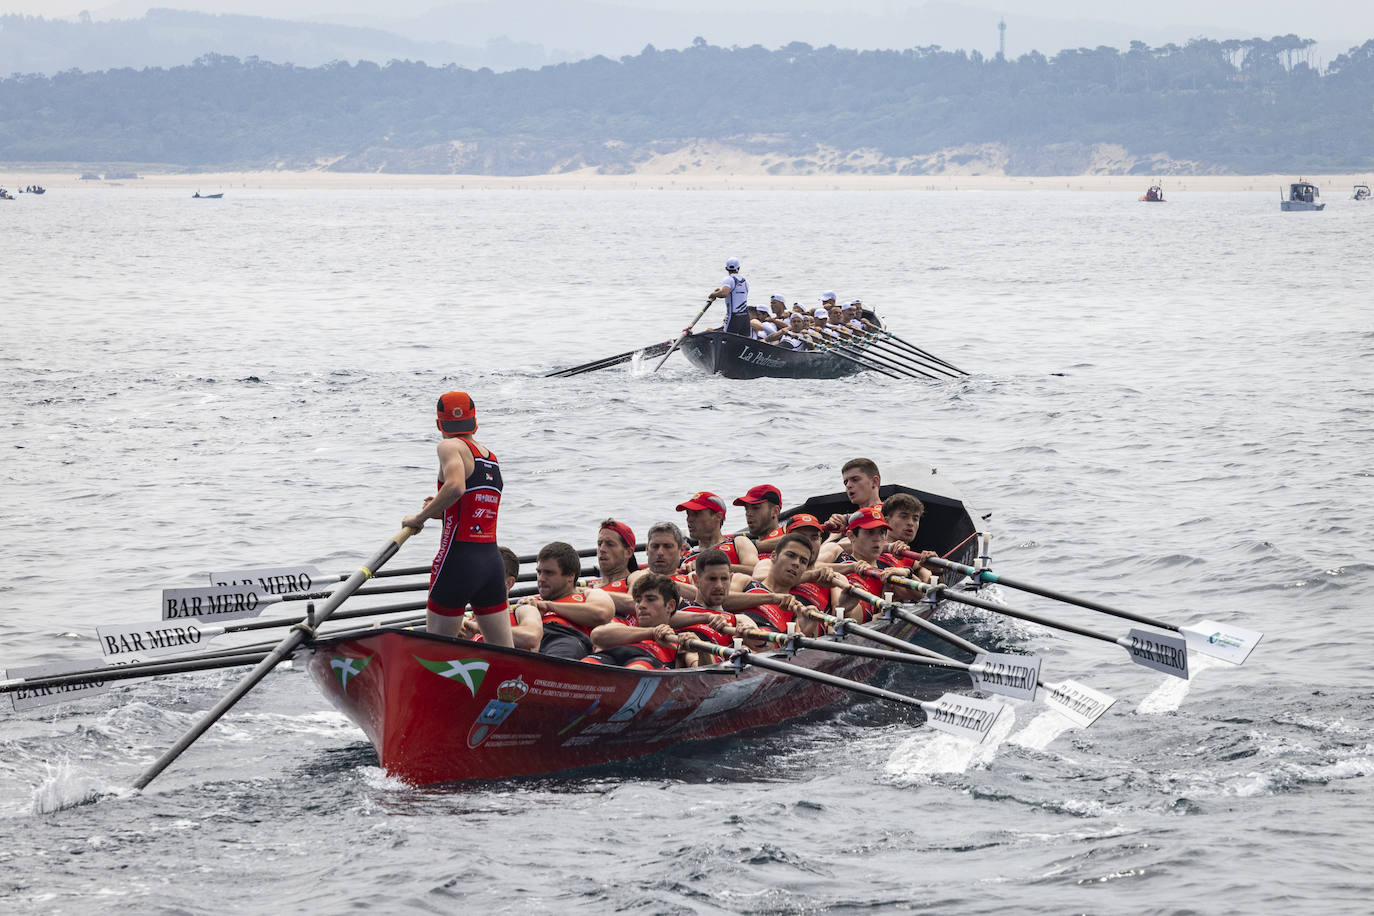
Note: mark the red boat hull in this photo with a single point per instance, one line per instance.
(442, 710)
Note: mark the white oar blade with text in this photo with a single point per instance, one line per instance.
(1159, 651)
(1006, 675)
(31, 697)
(1080, 703)
(1225, 641)
(273, 580)
(124, 641)
(967, 717)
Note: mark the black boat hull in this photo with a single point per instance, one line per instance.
(734, 356)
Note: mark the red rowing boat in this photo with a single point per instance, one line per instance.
(439, 709)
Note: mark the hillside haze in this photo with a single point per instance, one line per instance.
(1206, 107)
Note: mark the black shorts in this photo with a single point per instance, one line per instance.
(468, 573)
(624, 656)
(565, 642)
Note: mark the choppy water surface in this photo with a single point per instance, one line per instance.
(1170, 410)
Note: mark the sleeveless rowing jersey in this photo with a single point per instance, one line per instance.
(738, 301)
(557, 618)
(620, 586)
(727, 547)
(473, 517)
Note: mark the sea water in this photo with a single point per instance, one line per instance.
(1169, 410)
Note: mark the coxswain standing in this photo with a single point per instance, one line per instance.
(734, 289)
(468, 567)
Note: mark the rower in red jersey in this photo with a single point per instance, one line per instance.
(868, 532)
(569, 616)
(467, 568)
(705, 516)
(526, 627)
(903, 513)
(785, 577)
(861, 484)
(802, 523)
(615, 560)
(651, 643)
(761, 507)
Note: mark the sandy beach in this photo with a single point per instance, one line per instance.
(16, 177)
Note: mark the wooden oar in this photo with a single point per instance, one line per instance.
(1219, 640)
(607, 362)
(1168, 654)
(966, 717)
(686, 331)
(288, 645)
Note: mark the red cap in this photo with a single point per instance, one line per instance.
(456, 413)
(703, 500)
(764, 492)
(868, 517)
(626, 535)
(803, 521)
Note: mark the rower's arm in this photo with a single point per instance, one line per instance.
(619, 634)
(528, 631)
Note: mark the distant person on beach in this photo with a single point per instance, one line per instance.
(734, 289)
(468, 567)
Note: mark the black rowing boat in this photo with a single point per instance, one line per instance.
(734, 356)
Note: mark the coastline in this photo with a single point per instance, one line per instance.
(14, 178)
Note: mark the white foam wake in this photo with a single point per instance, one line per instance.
(1170, 695)
(1041, 730)
(929, 752)
(67, 786)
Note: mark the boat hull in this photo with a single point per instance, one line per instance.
(1291, 205)
(439, 709)
(735, 356)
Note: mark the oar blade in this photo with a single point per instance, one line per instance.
(1225, 641)
(1006, 675)
(1158, 651)
(1081, 704)
(31, 697)
(967, 717)
(141, 640)
(227, 602)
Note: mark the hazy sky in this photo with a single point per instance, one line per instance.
(1349, 21)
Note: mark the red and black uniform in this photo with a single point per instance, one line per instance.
(705, 630)
(774, 618)
(727, 546)
(468, 568)
(562, 637)
(646, 653)
(775, 533)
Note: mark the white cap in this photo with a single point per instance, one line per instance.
(776, 297)
(856, 302)
(732, 264)
(826, 297)
(821, 313)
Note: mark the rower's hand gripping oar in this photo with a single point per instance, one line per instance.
(299, 634)
(683, 336)
(993, 672)
(967, 717)
(1159, 651)
(1220, 640)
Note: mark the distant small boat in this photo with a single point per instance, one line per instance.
(1361, 192)
(1302, 195)
(5, 195)
(201, 196)
(1155, 195)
